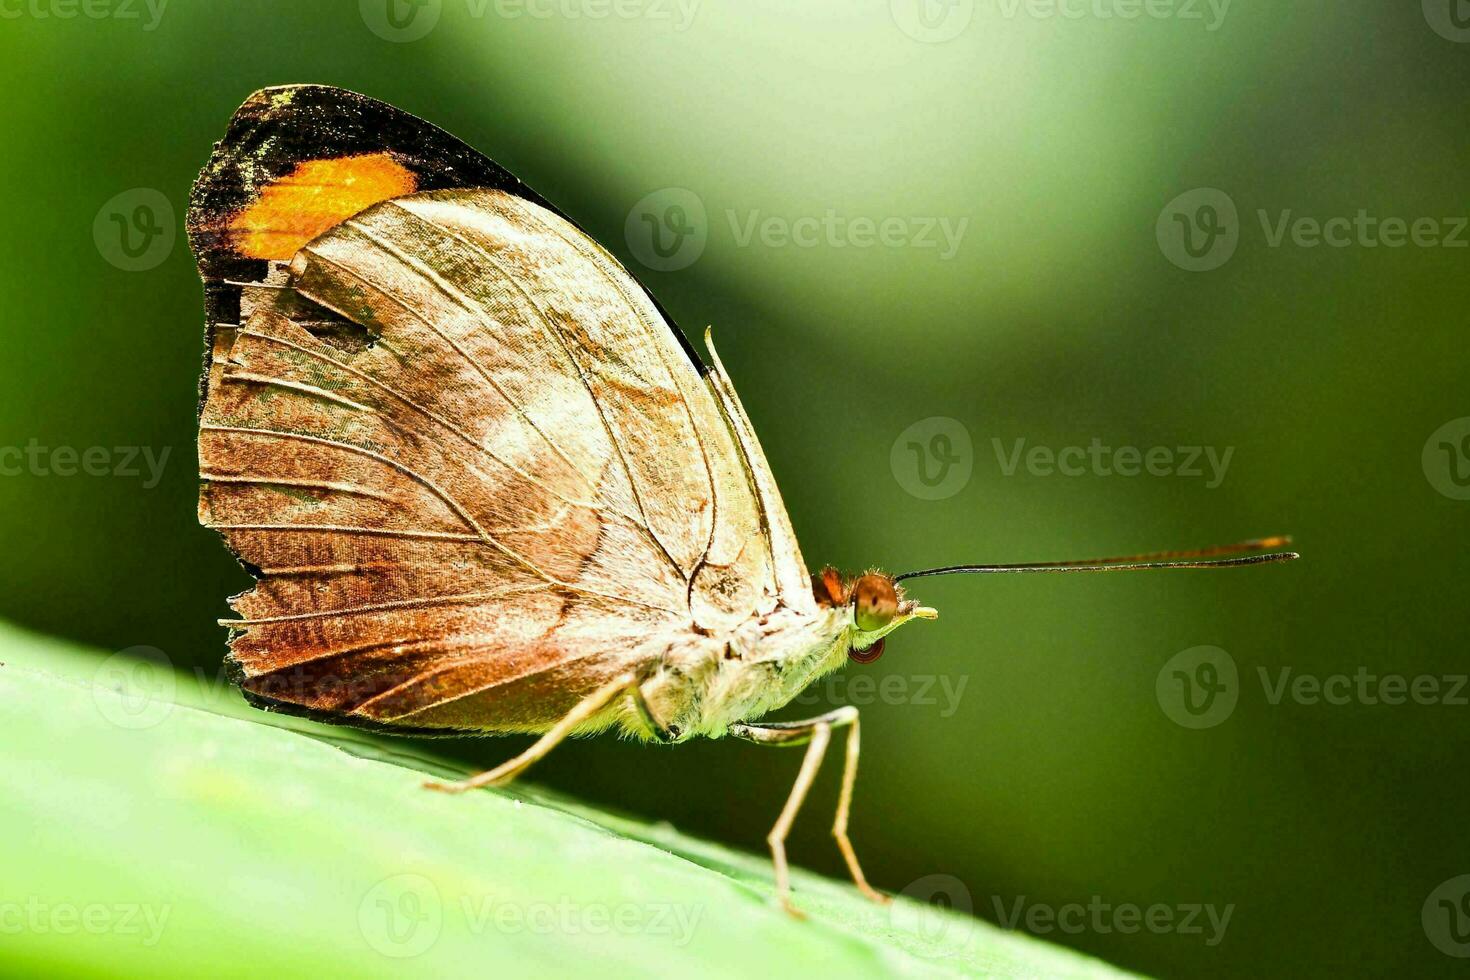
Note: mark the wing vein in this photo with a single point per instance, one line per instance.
(555, 334)
(464, 303)
(306, 389)
(483, 535)
(599, 259)
(450, 426)
(417, 602)
(333, 485)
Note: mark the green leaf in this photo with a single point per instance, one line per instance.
(154, 825)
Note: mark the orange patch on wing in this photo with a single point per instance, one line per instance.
(314, 197)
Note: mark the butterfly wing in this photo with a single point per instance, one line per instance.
(474, 469)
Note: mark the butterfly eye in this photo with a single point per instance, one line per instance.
(870, 654)
(874, 603)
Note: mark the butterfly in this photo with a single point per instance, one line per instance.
(482, 481)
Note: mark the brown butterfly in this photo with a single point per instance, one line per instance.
(483, 483)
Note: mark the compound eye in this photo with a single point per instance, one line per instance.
(874, 603)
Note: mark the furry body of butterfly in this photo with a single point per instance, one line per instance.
(705, 684)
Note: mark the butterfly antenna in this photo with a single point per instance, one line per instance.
(1244, 552)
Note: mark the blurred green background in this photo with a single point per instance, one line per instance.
(1063, 315)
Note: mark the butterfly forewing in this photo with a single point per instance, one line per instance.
(506, 486)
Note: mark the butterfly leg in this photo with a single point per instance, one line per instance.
(816, 736)
(586, 709)
(815, 733)
(657, 730)
(844, 807)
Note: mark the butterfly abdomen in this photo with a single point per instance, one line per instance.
(758, 667)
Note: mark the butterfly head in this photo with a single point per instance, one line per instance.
(875, 605)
